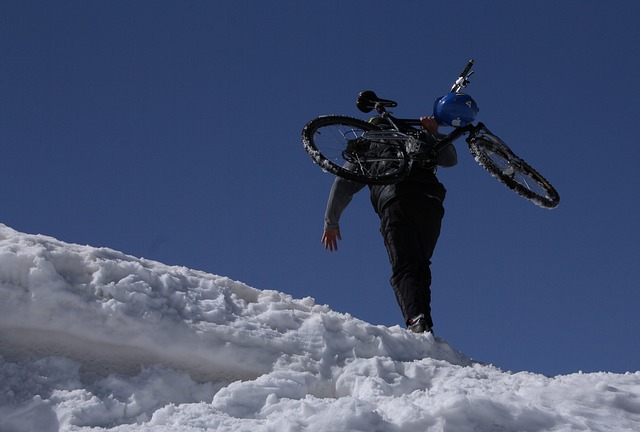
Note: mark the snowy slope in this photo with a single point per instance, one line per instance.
(92, 339)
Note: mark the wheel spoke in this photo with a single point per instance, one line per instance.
(491, 153)
(336, 143)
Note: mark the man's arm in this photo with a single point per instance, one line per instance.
(342, 192)
(448, 157)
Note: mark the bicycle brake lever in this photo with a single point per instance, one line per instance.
(463, 79)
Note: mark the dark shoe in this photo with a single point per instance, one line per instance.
(418, 324)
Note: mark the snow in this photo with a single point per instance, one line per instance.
(94, 340)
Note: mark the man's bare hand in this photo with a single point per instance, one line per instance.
(429, 124)
(330, 239)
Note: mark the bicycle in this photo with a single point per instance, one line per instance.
(363, 152)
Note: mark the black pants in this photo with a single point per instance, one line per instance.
(410, 226)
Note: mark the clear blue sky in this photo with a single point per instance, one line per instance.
(171, 131)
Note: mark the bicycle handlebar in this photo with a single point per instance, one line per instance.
(467, 68)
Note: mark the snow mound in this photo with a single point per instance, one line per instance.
(92, 338)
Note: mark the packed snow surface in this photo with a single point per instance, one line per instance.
(94, 340)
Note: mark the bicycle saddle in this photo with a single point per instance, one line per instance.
(367, 101)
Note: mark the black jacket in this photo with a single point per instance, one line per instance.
(421, 181)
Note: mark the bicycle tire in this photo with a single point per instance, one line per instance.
(495, 156)
(336, 144)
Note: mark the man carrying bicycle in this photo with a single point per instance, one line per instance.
(411, 213)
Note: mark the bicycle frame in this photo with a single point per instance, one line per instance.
(406, 141)
(411, 140)
(412, 144)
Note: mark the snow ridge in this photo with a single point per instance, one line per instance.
(93, 338)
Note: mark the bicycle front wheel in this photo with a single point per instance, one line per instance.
(497, 158)
(340, 146)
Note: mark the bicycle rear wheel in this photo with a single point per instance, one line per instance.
(497, 158)
(338, 144)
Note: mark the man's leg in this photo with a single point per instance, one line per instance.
(410, 228)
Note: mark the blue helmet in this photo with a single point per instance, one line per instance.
(455, 109)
